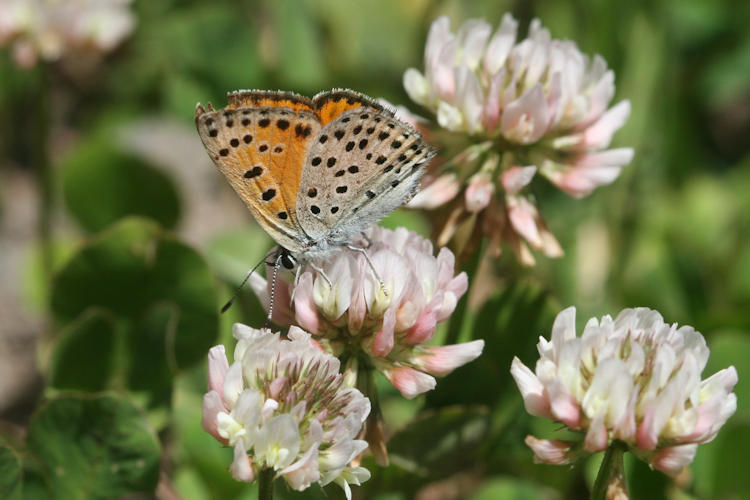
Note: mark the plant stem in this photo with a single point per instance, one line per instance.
(610, 481)
(457, 319)
(265, 484)
(373, 429)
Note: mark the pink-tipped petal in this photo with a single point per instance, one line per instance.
(479, 192)
(424, 327)
(597, 437)
(516, 178)
(436, 193)
(673, 459)
(241, 468)
(212, 406)
(218, 366)
(550, 451)
(599, 135)
(522, 215)
(525, 120)
(535, 399)
(383, 342)
(305, 309)
(442, 360)
(305, 471)
(563, 405)
(491, 109)
(410, 382)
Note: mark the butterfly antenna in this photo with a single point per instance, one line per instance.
(239, 288)
(276, 266)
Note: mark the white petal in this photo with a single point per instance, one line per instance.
(472, 38)
(218, 366)
(278, 442)
(301, 474)
(233, 384)
(450, 117)
(534, 396)
(417, 87)
(500, 45)
(525, 120)
(241, 468)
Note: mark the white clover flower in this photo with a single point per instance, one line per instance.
(633, 379)
(538, 102)
(353, 314)
(284, 406)
(50, 29)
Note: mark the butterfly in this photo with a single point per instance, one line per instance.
(313, 172)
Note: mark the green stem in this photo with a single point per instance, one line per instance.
(265, 484)
(610, 481)
(373, 429)
(460, 314)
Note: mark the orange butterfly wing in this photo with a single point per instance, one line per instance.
(261, 151)
(260, 142)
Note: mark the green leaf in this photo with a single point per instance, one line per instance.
(410, 219)
(505, 487)
(83, 355)
(731, 349)
(11, 478)
(441, 442)
(36, 482)
(232, 254)
(157, 291)
(95, 447)
(102, 185)
(730, 478)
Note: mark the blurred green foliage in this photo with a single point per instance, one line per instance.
(144, 301)
(134, 308)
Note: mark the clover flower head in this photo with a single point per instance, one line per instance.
(283, 405)
(351, 314)
(633, 379)
(50, 29)
(537, 105)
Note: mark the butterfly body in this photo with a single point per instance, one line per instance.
(313, 172)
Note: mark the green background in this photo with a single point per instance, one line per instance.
(129, 296)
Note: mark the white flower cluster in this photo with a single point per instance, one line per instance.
(48, 29)
(349, 309)
(284, 406)
(537, 91)
(634, 379)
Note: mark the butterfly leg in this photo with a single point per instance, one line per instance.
(321, 272)
(372, 267)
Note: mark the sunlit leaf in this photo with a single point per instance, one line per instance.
(102, 185)
(157, 290)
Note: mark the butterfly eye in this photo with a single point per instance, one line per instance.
(288, 261)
